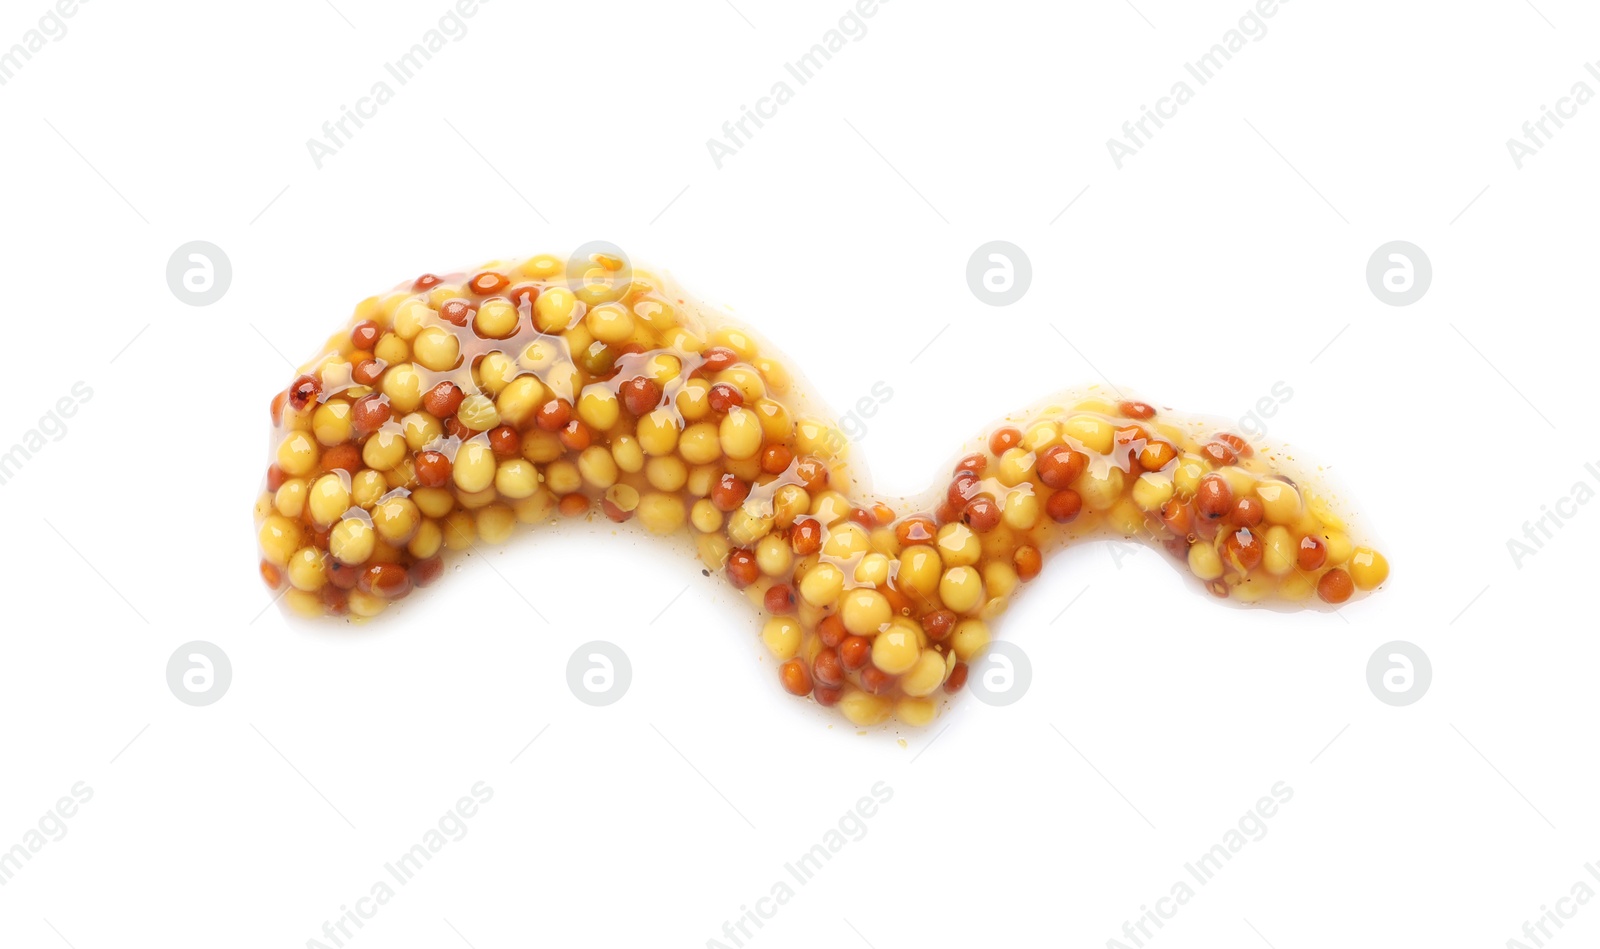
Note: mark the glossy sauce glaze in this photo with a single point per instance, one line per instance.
(458, 407)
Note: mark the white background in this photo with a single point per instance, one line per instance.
(1228, 255)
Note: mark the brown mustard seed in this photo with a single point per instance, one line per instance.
(831, 630)
(729, 492)
(1213, 498)
(1063, 506)
(1004, 439)
(1335, 586)
(779, 599)
(1311, 554)
(854, 651)
(982, 514)
(939, 624)
(806, 538)
(742, 567)
(364, 335)
(827, 668)
(1059, 466)
(796, 678)
(1218, 454)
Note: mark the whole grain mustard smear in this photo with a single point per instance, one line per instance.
(454, 410)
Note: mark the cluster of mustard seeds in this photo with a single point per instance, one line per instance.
(452, 410)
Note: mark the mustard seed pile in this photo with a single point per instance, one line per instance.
(456, 408)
